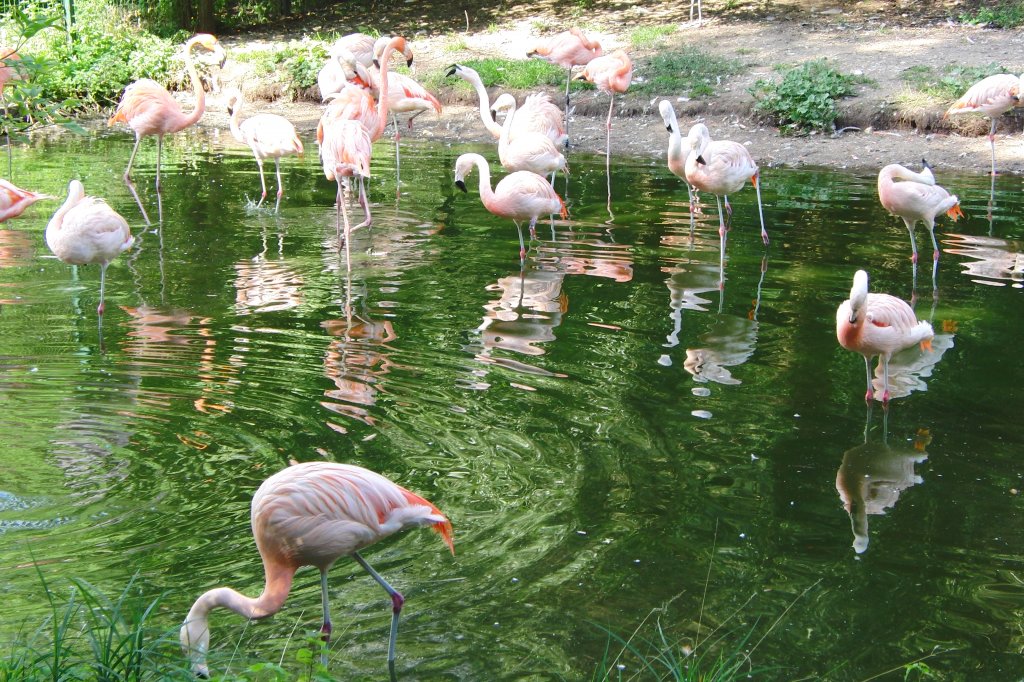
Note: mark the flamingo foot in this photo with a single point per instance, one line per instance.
(100, 308)
(913, 258)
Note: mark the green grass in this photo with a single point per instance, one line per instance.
(948, 83)
(805, 99)
(517, 74)
(688, 72)
(1006, 14)
(648, 36)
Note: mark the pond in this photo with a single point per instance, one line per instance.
(621, 444)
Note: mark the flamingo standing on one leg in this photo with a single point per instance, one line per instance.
(567, 49)
(537, 113)
(521, 195)
(992, 96)
(313, 514)
(86, 230)
(149, 109)
(269, 136)
(530, 151)
(878, 324)
(611, 73)
(916, 197)
(14, 200)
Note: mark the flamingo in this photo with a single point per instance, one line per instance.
(530, 151)
(611, 73)
(345, 153)
(567, 49)
(520, 195)
(149, 109)
(878, 324)
(343, 56)
(537, 113)
(9, 71)
(269, 136)
(86, 230)
(313, 514)
(14, 200)
(915, 198)
(992, 96)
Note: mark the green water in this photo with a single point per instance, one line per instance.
(608, 430)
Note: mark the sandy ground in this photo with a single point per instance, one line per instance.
(872, 46)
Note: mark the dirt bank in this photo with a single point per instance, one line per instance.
(865, 41)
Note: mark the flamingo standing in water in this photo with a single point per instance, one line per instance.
(149, 109)
(530, 151)
(313, 514)
(567, 49)
(878, 324)
(992, 96)
(916, 197)
(611, 73)
(14, 200)
(521, 195)
(86, 230)
(269, 136)
(345, 153)
(537, 113)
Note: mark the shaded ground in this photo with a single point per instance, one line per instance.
(876, 39)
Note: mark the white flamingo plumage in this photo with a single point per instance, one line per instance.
(992, 96)
(530, 151)
(878, 324)
(269, 136)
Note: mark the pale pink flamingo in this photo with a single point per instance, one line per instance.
(345, 153)
(313, 514)
(611, 73)
(878, 324)
(567, 49)
(536, 114)
(916, 197)
(149, 109)
(992, 96)
(521, 195)
(530, 151)
(343, 56)
(10, 70)
(86, 230)
(269, 136)
(14, 200)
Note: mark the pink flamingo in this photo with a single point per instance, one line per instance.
(521, 195)
(149, 109)
(611, 73)
(269, 136)
(567, 49)
(14, 200)
(992, 96)
(530, 151)
(878, 324)
(345, 153)
(916, 197)
(537, 113)
(86, 230)
(313, 514)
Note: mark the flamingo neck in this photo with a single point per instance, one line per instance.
(236, 115)
(197, 86)
(382, 96)
(75, 194)
(485, 106)
(486, 192)
(676, 159)
(506, 130)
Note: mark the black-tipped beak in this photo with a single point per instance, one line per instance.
(231, 110)
(701, 161)
(494, 115)
(668, 128)
(924, 163)
(408, 62)
(451, 70)
(376, 62)
(223, 61)
(461, 185)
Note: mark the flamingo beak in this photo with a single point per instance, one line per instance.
(668, 127)
(376, 62)
(701, 161)
(408, 62)
(451, 70)
(461, 185)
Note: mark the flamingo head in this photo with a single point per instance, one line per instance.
(698, 138)
(858, 294)
(210, 43)
(668, 115)
(195, 641)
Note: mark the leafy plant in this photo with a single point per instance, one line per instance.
(1003, 15)
(805, 99)
(687, 71)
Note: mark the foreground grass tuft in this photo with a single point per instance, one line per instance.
(688, 71)
(948, 83)
(1006, 14)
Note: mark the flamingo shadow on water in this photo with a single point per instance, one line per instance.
(874, 474)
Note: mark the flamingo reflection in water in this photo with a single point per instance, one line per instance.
(873, 475)
(990, 260)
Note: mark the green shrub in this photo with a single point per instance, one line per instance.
(805, 98)
(1003, 15)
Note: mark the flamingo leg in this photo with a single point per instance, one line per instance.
(885, 379)
(103, 281)
(280, 187)
(522, 244)
(365, 203)
(721, 243)
(159, 151)
(992, 144)
(263, 183)
(397, 600)
(870, 394)
(131, 159)
(755, 180)
(913, 242)
(567, 81)
(325, 630)
(398, 160)
(608, 125)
